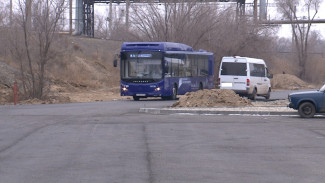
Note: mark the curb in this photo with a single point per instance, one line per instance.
(211, 111)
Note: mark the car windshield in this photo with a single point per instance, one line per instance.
(234, 69)
(322, 89)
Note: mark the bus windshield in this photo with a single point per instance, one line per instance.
(141, 64)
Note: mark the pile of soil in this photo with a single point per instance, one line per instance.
(289, 82)
(211, 98)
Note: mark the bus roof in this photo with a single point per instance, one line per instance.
(155, 46)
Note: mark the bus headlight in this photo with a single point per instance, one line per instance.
(157, 89)
(124, 89)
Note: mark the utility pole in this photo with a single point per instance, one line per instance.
(10, 13)
(70, 17)
(110, 16)
(262, 10)
(127, 14)
(28, 13)
(255, 10)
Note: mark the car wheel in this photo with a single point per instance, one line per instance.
(306, 110)
(268, 95)
(253, 95)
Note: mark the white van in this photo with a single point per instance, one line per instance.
(246, 76)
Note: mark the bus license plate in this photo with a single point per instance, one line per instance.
(140, 95)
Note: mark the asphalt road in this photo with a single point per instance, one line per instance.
(110, 142)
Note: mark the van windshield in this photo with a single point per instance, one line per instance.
(235, 69)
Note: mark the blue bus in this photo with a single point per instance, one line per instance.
(164, 69)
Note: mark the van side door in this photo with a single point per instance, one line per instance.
(258, 72)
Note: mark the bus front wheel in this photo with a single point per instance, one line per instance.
(135, 98)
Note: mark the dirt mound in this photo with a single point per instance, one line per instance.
(289, 82)
(211, 98)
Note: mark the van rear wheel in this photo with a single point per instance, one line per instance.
(253, 95)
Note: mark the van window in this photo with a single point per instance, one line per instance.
(257, 70)
(235, 69)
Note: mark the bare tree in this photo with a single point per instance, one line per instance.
(185, 21)
(40, 30)
(201, 25)
(3, 14)
(119, 30)
(300, 32)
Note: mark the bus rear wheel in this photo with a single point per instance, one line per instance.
(201, 86)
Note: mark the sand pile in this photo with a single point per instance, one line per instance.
(289, 82)
(211, 98)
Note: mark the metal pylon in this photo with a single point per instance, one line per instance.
(89, 18)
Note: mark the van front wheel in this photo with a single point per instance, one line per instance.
(268, 95)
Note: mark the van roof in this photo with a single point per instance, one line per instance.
(243, 59)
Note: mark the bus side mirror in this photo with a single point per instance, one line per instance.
(115, 63)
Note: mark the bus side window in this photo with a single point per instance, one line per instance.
(203, 66)
(168, 67)
(181, 67)
(188, 66)
(193, 65)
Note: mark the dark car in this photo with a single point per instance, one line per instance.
(308, 103)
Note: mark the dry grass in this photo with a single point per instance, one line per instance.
(315, 69)
(89, 63)
(289, 82)
(289, 65)
(282, 65)
(82, 67)
(83, 71)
